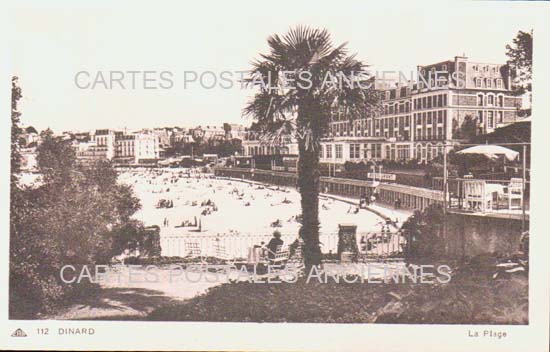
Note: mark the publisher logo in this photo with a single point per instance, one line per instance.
(18, 333)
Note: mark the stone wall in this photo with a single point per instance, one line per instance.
(470, 235)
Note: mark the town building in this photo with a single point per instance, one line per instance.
(138, 147)
(254, 144)
(237, 131)
(90, 152)
(105, 138)
(451, 101)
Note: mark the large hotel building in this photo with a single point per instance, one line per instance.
(415, 120)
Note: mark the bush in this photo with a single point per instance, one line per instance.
(470, 298)
(73, 218)
(422, 230)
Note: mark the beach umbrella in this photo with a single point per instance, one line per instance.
(491, 151)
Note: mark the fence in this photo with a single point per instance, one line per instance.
(238, 245)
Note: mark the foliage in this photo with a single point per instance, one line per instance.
(70, 219)
(297, 96)
(468, 129)
(471, 297)
(133, 235)
(55, 158)
(422, 230)
(520, 59)
(15, 130)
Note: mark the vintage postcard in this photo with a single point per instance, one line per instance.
(286, 176)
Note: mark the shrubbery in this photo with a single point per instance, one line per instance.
(422, 230)
(471, 297)
(77, 216)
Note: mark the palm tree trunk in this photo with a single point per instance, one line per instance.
(308, 185)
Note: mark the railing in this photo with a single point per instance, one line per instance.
(238, 245)
(508, 194)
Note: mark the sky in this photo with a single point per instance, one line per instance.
(51, 45)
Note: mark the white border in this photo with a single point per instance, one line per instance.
(286, 337)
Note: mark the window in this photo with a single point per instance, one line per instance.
(490, 120)
(491, 100)
(499, 83)
(377, 151)
(365, 151)
(480, 116)
(480, 100)
(354, 152)
(403, 152)
(500, 100)
(444, 68)
(440, 116)
(489, 82)
(499, 117)
(329, 151)
(321, 148)
(478, 82)
(339, 153)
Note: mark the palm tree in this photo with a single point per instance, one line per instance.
(301, 83)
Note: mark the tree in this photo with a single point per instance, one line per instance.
(468, 129)
(301, 82)
(55, 158)
(520, 55)
(77, 215)
(15, 130)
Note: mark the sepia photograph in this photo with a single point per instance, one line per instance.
(215, 165)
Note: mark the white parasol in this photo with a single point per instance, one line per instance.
(491, 151)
